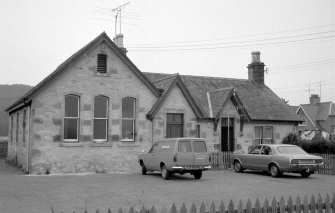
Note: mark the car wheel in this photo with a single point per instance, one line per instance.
(238, 167)
(144, 169)
(305, 174)
(274, 170)
(197, 175)
(165, 173)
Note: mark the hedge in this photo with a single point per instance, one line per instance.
(317, 145)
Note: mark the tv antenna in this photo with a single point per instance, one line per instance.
(118, 15)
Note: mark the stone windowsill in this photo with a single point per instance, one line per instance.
(100, 144)
(128, 144)
(71, 144)
(101, 74)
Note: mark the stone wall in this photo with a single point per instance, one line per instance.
(50, 154)
(174, 103)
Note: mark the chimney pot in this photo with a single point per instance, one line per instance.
(255, 57)
(118, 40)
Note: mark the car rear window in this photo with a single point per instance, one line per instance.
(199, 146)
(184, 146)
(291, 150)
(165, 147)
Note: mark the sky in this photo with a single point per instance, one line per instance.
(190, 37)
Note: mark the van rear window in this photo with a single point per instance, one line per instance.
(199, 146)
(184, 146)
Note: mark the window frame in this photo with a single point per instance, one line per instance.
(133, 119)
(263, 139)
(78, 119)
(98, 118)
(174, 124)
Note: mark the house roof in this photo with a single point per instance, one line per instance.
(259, 101)
(319, 112)
(102, 37)
(167, 84)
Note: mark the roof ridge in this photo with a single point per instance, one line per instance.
(162, 79)
(222, 89)
(196, 76)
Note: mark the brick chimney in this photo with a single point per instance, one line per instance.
(118, 40)
(256, 69)
(314, 99)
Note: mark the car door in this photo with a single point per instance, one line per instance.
(264, 158)
(201, 157)
(252, 157)
(185, 155)
(151, 158)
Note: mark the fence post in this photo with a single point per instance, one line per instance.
(297, 205)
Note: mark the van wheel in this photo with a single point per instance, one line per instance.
(144, 170)
(197, 175)
(165, 173)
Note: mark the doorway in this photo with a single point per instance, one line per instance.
(227, 134)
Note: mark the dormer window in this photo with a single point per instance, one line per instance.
(102, 63)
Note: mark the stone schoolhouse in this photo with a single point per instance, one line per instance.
(97, 111)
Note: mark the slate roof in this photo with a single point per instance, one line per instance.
(319, 111)
(102, 37)
(218, 98)
(260, 102)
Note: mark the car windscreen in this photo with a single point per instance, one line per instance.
(166, 147)
(291, 150)
(184, 146)
(199, 146)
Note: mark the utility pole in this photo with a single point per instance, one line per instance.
(118, 15)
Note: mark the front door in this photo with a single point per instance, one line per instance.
(227, 135)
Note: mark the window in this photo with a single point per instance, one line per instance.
(256, 150)
(17, 126)
(100, 122)
(184, 146)
(175, 125)
(268, 134)
(263, 135)
(258, 134)
(128, 119)
(102, 63)
(71, 118)
(24, 121)
(199, 146)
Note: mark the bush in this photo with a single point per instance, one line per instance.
(317, 145)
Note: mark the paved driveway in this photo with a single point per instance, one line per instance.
(26, 193)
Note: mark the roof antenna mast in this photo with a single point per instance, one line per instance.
(118, 15)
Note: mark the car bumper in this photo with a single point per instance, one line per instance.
(190, 168)
(301, 168)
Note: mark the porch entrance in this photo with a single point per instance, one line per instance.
(227, 134)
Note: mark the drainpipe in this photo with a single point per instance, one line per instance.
(29, 138)
(152, 132)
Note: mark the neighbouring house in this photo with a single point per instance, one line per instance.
(318, 117)
(97, 111)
